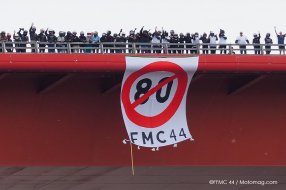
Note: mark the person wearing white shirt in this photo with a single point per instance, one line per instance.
(222, 42)
(212, 39)
(242, 40)
(156, 40)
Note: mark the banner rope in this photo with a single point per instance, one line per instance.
(132, 159)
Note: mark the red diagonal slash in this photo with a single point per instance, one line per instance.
(152, 91)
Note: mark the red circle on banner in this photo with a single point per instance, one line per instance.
(163, 117)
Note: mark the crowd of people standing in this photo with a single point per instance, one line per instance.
(143, 41)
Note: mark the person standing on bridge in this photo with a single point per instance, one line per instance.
(222, 41)
(24, 39)
(3, 39)
(156, 40)
(9, 44)
(281, 39)
(268, 41)
(83, 40)
(189, 41)
(242, 40)
(95, 41)
(256, 43)
(52, 39)
(33, 37)
(182, 43)
(60, 42)
(42, 38)
(213, 38)
(131, 40)
(205, 40)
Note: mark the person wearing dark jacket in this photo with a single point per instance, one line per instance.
(117, 40)
(33, 37)
(3, 38)
(131, 39)
(182, 43)
(68, 37)
(281, 39)
(103, 40)
(116, 47)
(9, 44)
(83, 40)
(138, 46)
(109, 39)
(205, 40)
(268, 41)
(24, 39)
(174, 40)
(52, 39)
(42, 38)
(188, 40)
(256, 42)
(122, 39)
(145, 38)
(75, 43)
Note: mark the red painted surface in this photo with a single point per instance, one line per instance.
(116, 62)
(75, 124)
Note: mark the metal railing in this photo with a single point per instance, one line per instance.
(140, 48)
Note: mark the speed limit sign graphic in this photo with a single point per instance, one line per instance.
(153, 99)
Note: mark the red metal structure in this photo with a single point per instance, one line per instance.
(64, 110)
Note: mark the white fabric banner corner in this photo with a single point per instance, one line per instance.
(153, 99)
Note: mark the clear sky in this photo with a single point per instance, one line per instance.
(249, 16)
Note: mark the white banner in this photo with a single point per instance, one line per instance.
(153, 99)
